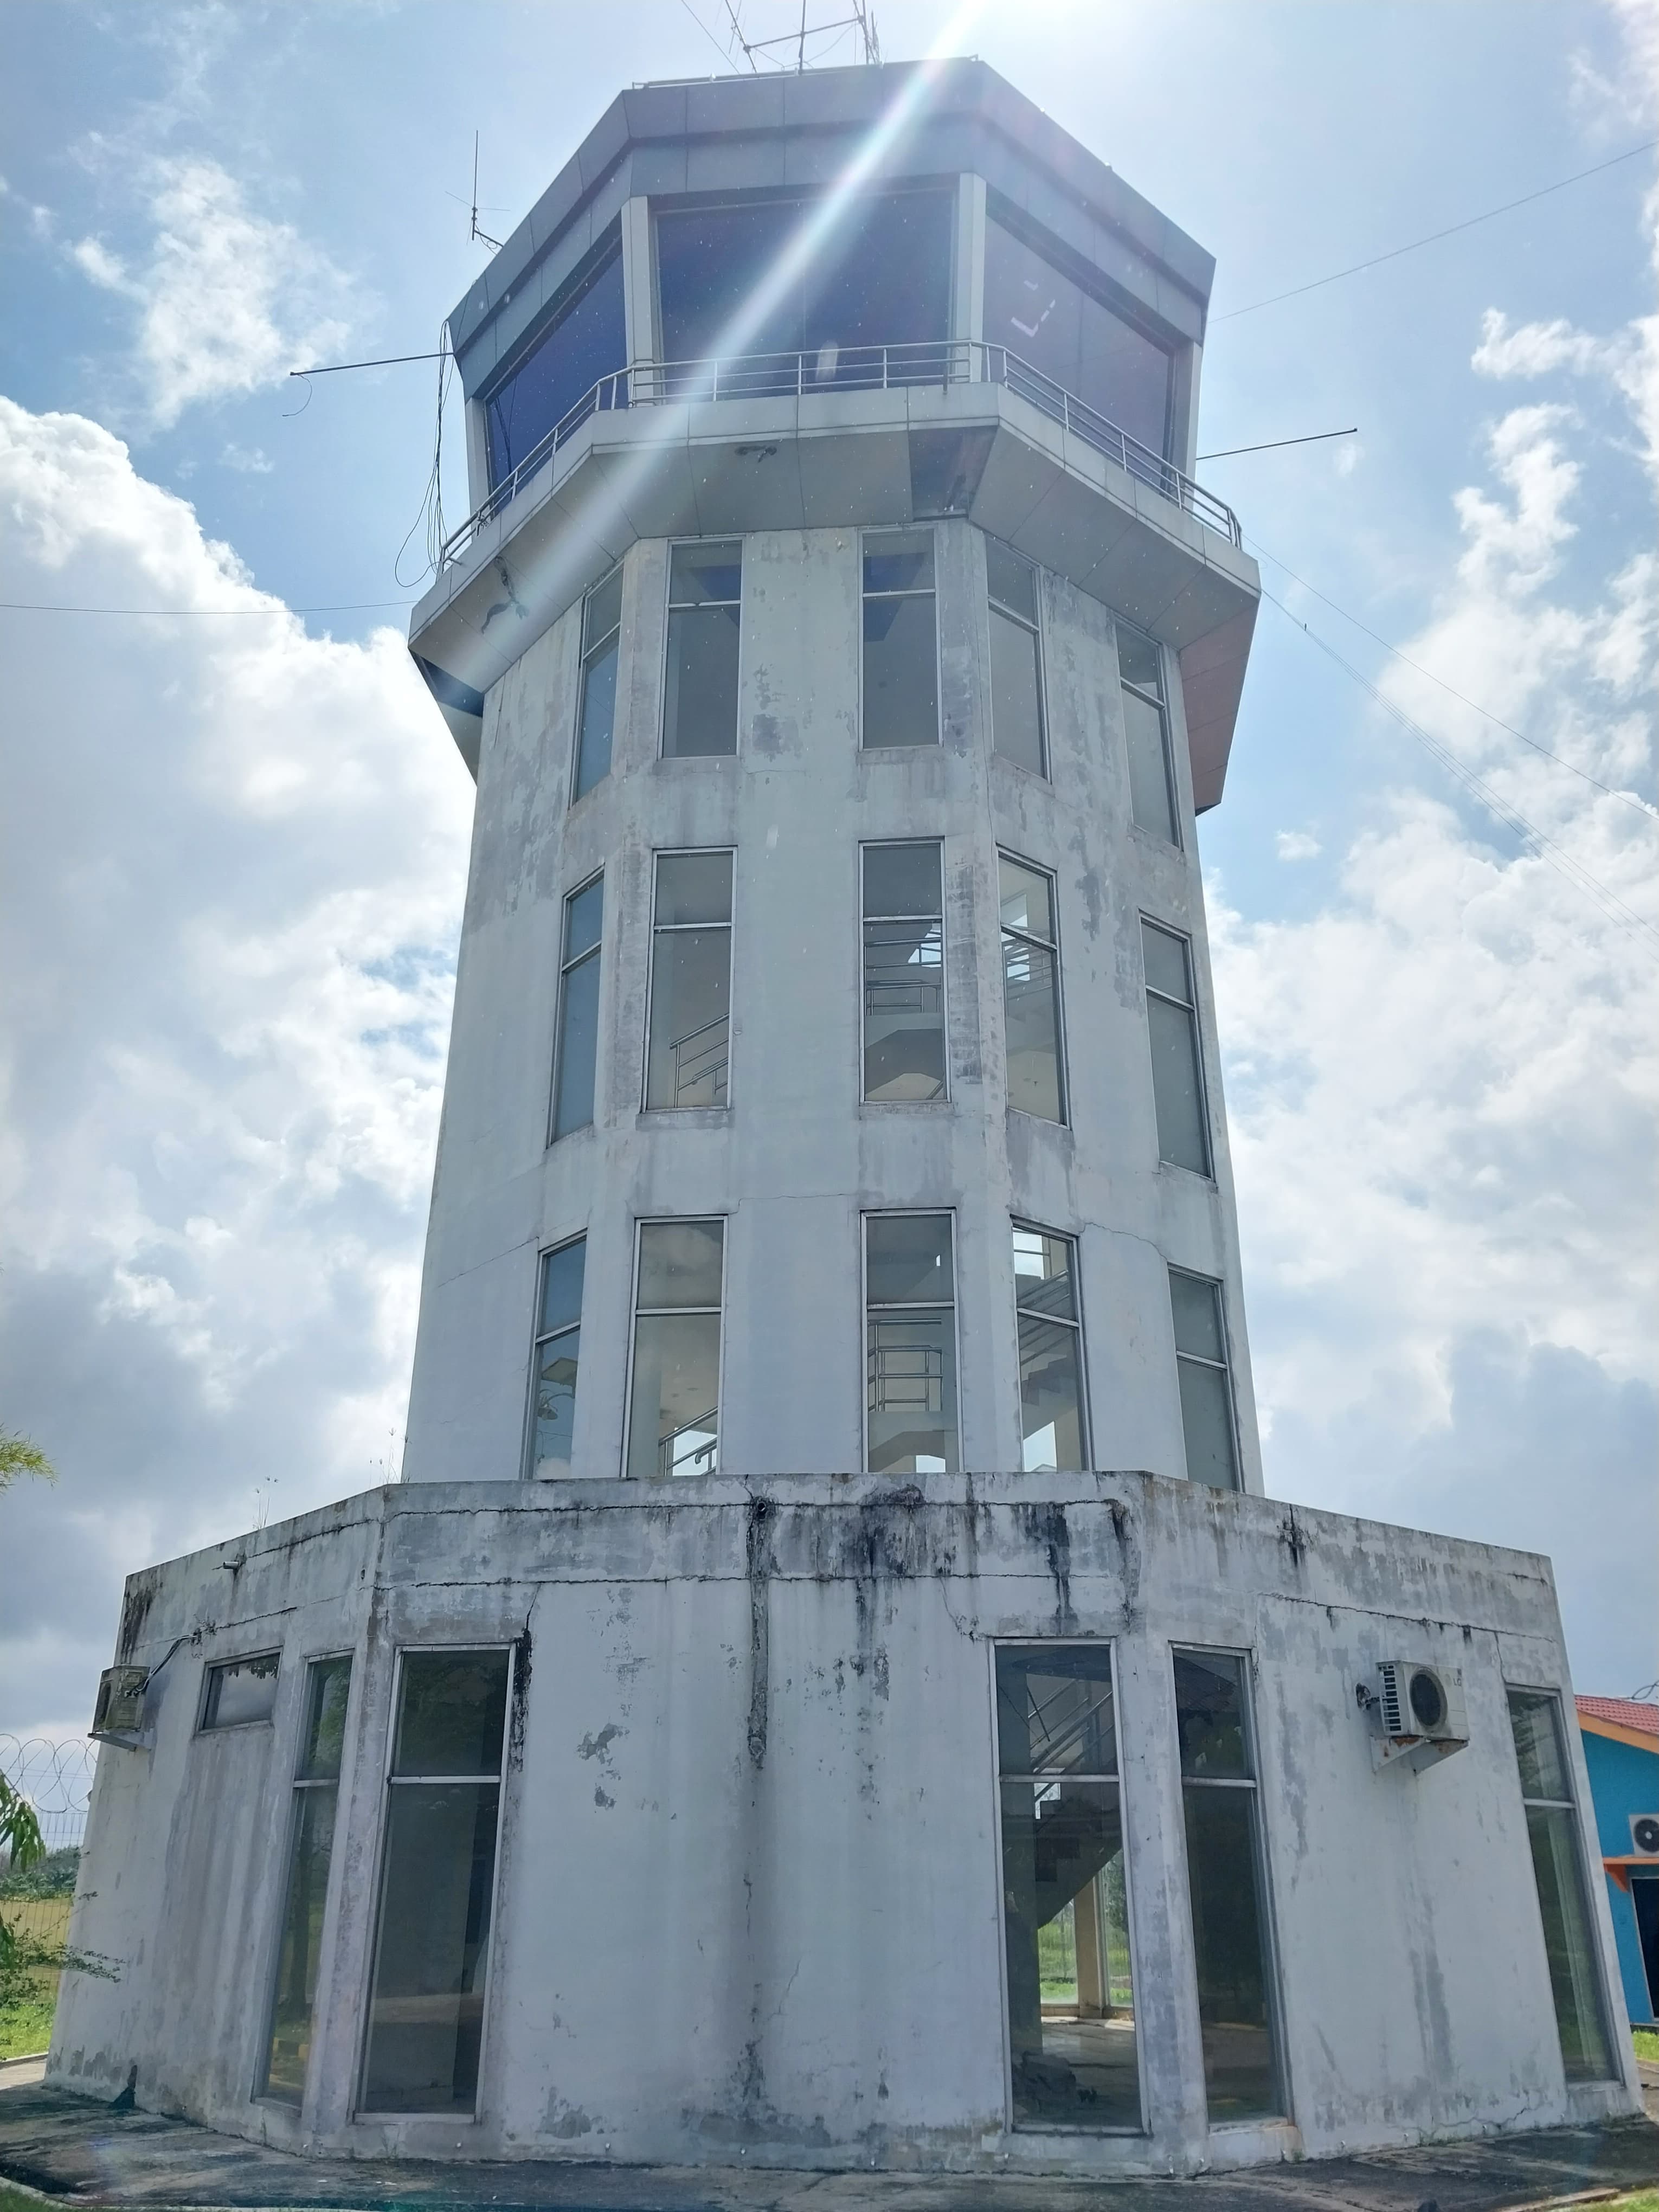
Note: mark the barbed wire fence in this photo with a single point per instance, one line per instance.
(57, 1778)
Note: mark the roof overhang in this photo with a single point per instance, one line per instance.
(839, 460)
(1616, 1732)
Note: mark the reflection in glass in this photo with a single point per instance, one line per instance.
(305, 1895)
(238, 1691)
(1031, 991)
(1562, 1904)
(596, 719)
(1066, 1921)
(576, 1054)
(557, 1358)
(437, 1883)
(1224, 1877)
(1050, 1351)
(1017, 731)
(1147, 733)
(688, 1044)
(1184, 1137)
(910, 1353)
(900, 658)
(673, 1424)
(588, 340)
(1206, 1398)
(903, 973)
(705, 612)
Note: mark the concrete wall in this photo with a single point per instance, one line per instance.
(748, 1894)
(796, 1156)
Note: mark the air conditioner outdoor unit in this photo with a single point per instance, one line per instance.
(120, 1710)
(1417, 1712)
(1644, 1835)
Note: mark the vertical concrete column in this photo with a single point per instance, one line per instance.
(968, 291)
(638, 281)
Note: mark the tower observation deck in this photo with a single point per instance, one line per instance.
(829, 1689)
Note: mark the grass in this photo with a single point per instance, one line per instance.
(25, 2028)
(1646, 2040)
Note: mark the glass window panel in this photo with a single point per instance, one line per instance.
(1165, 956)
(901, 879)
(1016, 693)
(710, 262)
(558, 1359)
(707, 572)
(899, 561)
(1050, 1395)
(602, 611)
(579, 1046)
(908, 1259)
(1011, 581)
(451, 1712)
(900, 672)
(903, 1011)
(700, 697)
(1569, 1943)
(680, 1264)
(911, 1359)
(584, 914)
(1138, 660)
(1178, 1098)
(298, 1949)
(689, 1049)
(1206, 1424)
(1533, 1718)
(1026, 898)
(1150, 802)
(1231, 1956)
(693, 887)
(674, 1412)
(1197, 1311)
(1030, 990)
(322, 1741)
(240, 1690)
(1042, 1274)
(426, 2013)
(598, 719)
(1210, 1715)
(588, 340)
(1054, 1709)
(562, 1286)
(1070, 1997)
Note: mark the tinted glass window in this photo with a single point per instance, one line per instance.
(1047, 319)
(674, 1422)
(453, 1708)
(238, 1691)
(910, 1344)
(588, 340)
(596, 717)
(705, 611)
(900, 660)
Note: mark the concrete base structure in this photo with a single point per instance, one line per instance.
(748, 1893)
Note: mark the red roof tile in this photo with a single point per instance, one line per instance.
(1624, 1712)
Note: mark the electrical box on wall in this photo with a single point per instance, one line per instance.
(120, 1710)
(1417, 1712)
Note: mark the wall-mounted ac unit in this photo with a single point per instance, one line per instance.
(1417, 1713)
(120, 1710)
(1644, 1835)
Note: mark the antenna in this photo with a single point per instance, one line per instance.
(859, 20)
(481, 237)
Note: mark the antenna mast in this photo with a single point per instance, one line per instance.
(481, 237)
(859, 20)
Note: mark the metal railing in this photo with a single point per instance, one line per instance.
(855, 368)
(675, 1457)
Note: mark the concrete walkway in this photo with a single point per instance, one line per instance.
(68, 2146)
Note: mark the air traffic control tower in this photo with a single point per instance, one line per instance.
(829, 1689)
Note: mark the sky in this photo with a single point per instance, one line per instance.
(233, 838)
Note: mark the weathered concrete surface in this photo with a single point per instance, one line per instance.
(758, 1736)
(70, 2147)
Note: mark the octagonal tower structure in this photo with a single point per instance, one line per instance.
(829, 1689)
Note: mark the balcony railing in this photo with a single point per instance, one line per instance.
(855, 368)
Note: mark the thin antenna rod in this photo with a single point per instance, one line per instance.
(480, 237)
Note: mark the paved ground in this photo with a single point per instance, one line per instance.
(71, 2147)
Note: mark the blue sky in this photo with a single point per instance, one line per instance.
(237, 842)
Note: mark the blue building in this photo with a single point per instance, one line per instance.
(1621, 1752)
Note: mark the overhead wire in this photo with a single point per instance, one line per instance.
(1608, 900)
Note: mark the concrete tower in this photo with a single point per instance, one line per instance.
(829, 1687)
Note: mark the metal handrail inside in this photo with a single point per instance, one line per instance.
(853, 368)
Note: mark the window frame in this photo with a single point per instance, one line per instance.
(388, 1782)
(1085, 1425)
(568, 964)
(1161, 704)
(1034, 629)
(669, 609)
(920, 1305)
(1150, 990)
(1216, 1285)
(1272, 1972)
(538, 1338)
(885, 1105)
(901, 752)
(688, 852)
(212, 1667)
(642, 1221)
(994, 1644)
(608, 248)
(586, 654)
(1062, 1070)
(260, 2093)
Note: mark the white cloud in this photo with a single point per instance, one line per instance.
(1297, 845)
(227, 300)
(1538, 349)
(228, 941)
(246, 461)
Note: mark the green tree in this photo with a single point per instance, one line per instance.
(19, 1457)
